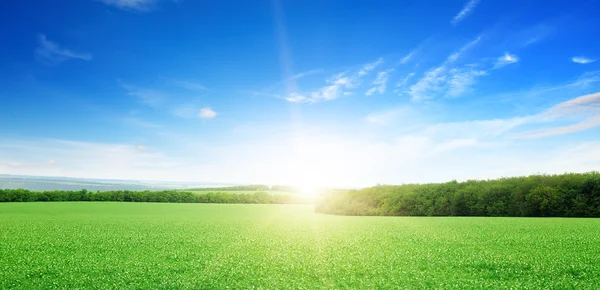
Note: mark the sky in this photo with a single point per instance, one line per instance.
(299, 92)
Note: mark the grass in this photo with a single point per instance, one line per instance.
(129, 245)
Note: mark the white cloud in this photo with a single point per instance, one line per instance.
(180, 105)
(306, 73)
(529, 36)
(582, 60)
(407, 57)
(141, 147)
(336, 86)
(454, 57)
(575, 115)
(506, 59)
(51, 52)
(332, 91)
(380, 84)
(207, 113)
(460, 80)
(446, 81)
(584, 111)
(370, 66)
(298, 98)
(136, 5)
(404, 81)
(429, 86)
(465, 11)
(148, 97)
(189, 85)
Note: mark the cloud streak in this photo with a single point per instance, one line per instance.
(407, 57)
(134, 5)
(189, 85)
(434, 81)
(585, 109)
(465, 11)
(506, 59)
(338, 85)
(582, 60)
(148, 97)
(380, 84)
(51, 52)
(370, 66)
(450, 80)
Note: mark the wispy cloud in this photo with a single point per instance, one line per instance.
(380, 84)
(51, 52)
(405, 80)
(189, 85)
(188, 111)
(269, 91)
(582, 60)
(402, 83)
(531, 35)
(148, 97)
(306, 73)
(585, 110)
(460, 80)
(139, 123)
(134, 5)
(506, 59)
(336, 86)
(298, 98)
(456, 55)
(411, 55)
(207, 113)
(185, 111)
(178, 105)
(407, 57)
(434, 82)
(452, 80)
(370, 66)
(429, 85)
(574, 115)
(465, 11)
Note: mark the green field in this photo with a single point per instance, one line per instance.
(204, 246)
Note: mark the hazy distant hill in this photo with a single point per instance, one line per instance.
(68, 183)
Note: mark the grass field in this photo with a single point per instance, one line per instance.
(138, 245)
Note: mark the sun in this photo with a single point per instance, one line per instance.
(308, 190)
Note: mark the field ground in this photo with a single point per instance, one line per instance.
(144, 245)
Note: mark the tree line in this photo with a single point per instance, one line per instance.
(564, 195)
(257, 187)
(169, 196)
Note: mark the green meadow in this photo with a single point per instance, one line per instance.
(215, 246)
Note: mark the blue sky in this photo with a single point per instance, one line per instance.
(336, 93)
